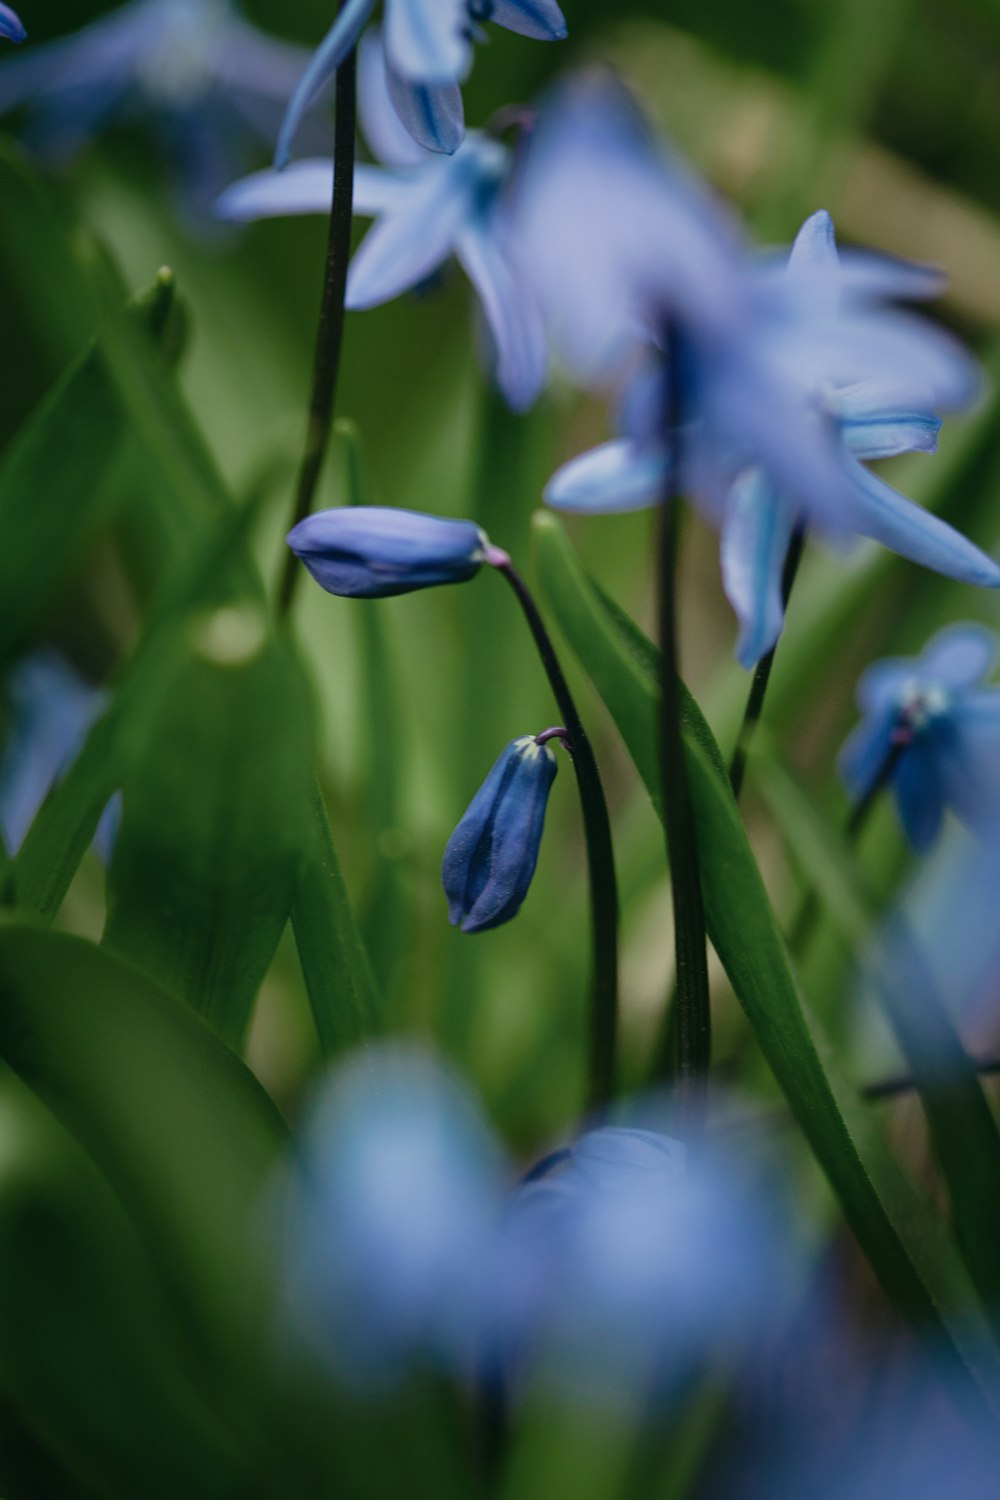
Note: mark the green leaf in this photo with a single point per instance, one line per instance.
(207, 857)
(179, 1127)
(906, 1242)
(963, 1129)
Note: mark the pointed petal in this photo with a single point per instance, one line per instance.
(755, 536)
(610, 479)
(306, 187)
(514, 321)
(919, 796)
(381, 126)
(863, 757)
(960, 655)
(432, 113)
(881, 513)
(541, 19)
(880, 419)
(426, 41)
(404, 247)
(330, 53)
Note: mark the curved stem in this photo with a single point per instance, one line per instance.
(330, 334)
(600, 852)
(762, 672)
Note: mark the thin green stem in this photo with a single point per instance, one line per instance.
(762, 673)
(330, 333)
(600, 852)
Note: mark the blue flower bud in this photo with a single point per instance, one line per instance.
(10, 25)
(492, 854)
(371, 552)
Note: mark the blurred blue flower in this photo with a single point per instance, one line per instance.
(50, 711)
(786, 376)
(491, 857)
(392, 1219)
(428, 47)
(931, 726)
(10, 25)
(428, 208)
(373, 552)
(212, 85)
(629, 1262)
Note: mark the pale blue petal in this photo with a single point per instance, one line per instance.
(615, 477)
(337, 43)
(755, 537)
(248, 59)
(881, 513)
(306, 187)
(432, 113)
(919, 796)
(381, 126)
(426, 41)
(515, 322)
(813, 262)
(863, 758)
(403, 249)
(879, 419)
(883, 684)
(540, 19)
(960, 656)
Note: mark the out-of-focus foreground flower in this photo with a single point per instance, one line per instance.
(428, 52)
(10, 25)
(931, 728)
(428, 208)
(780, 381)
(210, 84)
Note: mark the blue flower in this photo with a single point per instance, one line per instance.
(10, 25)
(391, 1221)
(428, 208)
(428, 52)
(491, 857)
(789, 376)
(371, 552)
(931, 725)
(50, 713)
(211, 84)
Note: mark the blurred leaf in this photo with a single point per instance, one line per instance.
(963, 1129)
(57, 482)
(180, 1128)
(903, 1238)
(206, 861)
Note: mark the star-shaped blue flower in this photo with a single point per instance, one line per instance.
(932, 726)
(212, 85)
(428, 208)
(10, 25)
(428, 46)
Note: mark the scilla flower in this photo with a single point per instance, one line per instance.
(212, 85)
(931, 727)
(10, 25)
(428, 53)
(491, 857)
(391, 1219)
(373, 552)
(428, 208)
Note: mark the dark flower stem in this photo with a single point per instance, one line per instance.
(600, 852)
(330, 334)
(693, 1026)
(762, 673)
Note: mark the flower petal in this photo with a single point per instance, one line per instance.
(881, 513)
(426, 41)
(610, 479)
(919, 796)
(306, 187)
(541, 19)
(330, 53)
(10, 25)
(960, 655)
(863, 758)
(381, 126)
(756, 534)
(514, 320)
(432, 113)
(880, 419)
(404, 247)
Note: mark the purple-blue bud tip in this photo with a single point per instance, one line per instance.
(373, 552)
(10, 25)
(491, 856)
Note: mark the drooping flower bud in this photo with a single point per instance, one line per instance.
(372, 552)
(492, 854)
